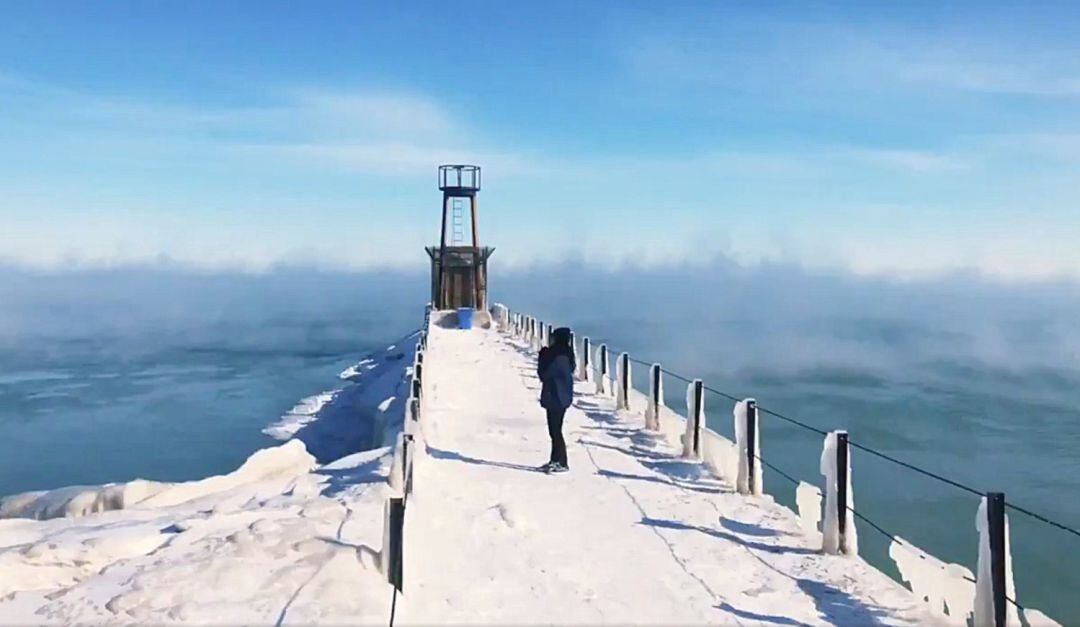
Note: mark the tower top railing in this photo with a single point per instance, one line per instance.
(463, 179)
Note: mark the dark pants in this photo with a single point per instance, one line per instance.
(558, 444)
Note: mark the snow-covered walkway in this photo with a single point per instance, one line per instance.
(631, 534)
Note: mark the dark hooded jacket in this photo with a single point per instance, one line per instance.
(555, 366)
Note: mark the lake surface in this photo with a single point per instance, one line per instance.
(110, 376)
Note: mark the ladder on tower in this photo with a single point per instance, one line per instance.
(457, 236)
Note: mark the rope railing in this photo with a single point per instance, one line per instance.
(873, 525)
(867, 449)
(994, 500)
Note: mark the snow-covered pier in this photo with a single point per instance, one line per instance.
(632, 534)
(641, 530)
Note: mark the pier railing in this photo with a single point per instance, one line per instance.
(987, 596)
(408, 445)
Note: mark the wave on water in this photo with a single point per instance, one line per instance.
(304, 412)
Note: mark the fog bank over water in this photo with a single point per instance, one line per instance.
(786, 320)
(767, 318)
(126, 308)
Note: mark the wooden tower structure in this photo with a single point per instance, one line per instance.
(459, 263)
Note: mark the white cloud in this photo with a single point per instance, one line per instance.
(748, 53)
(382, 114)
(1054, 76)
(387, 158)
(912, 160)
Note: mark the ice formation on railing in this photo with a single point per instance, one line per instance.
(742, 481)
(831, 541)
(656, 399)
(942, 586)
(622, 367)
(984, 595)
(602, 371)
(694, 427)
(808, 500)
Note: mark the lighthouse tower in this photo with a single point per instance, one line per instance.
(459, 263)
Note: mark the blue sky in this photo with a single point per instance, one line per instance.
(908, 139)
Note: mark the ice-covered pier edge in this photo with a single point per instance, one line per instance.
(637, 532)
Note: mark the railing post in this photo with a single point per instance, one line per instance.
(623, 400)
(695, 418)
(839, 534)
(656, 398)
(601, 382)
(586, 365)
(406, 464)
(748, 477)
(751, 446)
(699, 416)
(547, 335)
(841, 488)
(577, 360)
(391, 558)
(995, 524)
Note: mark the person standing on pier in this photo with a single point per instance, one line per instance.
(555, 366)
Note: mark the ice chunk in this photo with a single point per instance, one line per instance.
(1036, 618)
(947, 589)
(285, 461)
(808, 500)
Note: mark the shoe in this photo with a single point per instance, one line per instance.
(546, 467)
(557, 467)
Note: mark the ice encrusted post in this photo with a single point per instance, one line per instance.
(695, 419)
(574, 350)
(602, 378)
(748, 480)
(839, 535)
(586, 351)
(622, 401)
(993, 575)
(656, 398)
(410, 460)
